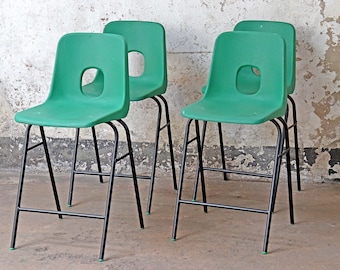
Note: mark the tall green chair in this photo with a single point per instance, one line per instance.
(148, 39)
(225, 100)
(250, 77)
(67, 106)
(287, 32)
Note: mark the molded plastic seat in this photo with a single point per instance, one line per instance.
(148, 39)
(226, 101)
(59, 109)
(68, 106)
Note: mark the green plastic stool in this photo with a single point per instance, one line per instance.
(228, 102)
(148, 39)
(68, 106)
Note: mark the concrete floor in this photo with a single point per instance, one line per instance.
(221, 239)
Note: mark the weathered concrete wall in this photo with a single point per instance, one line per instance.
(30, 31)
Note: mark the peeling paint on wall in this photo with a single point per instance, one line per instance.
(316, 160)
(30, 33)
(328, 111)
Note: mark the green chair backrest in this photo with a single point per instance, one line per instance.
(78, 52)
(148, 39)
(239, 50)
(287, 32)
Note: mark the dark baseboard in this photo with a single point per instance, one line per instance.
(257, 159)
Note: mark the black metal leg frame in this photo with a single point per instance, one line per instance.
(282, 138)
(58, 210)
(151, 177)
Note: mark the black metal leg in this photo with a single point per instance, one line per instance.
(200, 165)
(111, 180)
(159, 128)
(288, 166)
(296, 143)
(277, 164)
(97, 154)
(20, 187)
(181, 178)
(194, 193)
(286, 152)
(220, 134)
(155, 153)
(49, 165)
(172, 157)
(274, 184)
(74, 160)
(109, 192)
(134, 174)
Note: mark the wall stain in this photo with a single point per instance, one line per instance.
(314, 157)
(325, 153)
(322, 8)
(331, 62)
(308, 75)
(328, 123)
(223, 5)
(310, 155)
(334, 162)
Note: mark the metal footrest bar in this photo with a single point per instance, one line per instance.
(123, 156)
(284, 152)
(164, 126)
(292, 125)
(192, 140)
(237, 172)
(224, 206)
(108, 174)
(34, 146)
(130, 176)
(64, 213)
(91, 173)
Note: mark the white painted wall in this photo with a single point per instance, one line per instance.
(30, 30)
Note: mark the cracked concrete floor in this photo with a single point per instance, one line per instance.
(221, 239)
